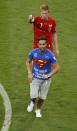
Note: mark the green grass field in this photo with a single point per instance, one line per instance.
(60, 109)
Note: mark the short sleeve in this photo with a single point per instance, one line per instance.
(30, 56)
(36, 19)
(53, 59)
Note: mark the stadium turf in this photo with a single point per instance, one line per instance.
(60, 109)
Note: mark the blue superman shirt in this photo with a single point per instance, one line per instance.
(42, 62)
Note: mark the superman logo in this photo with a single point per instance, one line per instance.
(41, 63)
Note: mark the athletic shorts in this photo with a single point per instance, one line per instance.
(39, 88)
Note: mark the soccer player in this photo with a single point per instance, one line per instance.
(39, 76)
(45, 25)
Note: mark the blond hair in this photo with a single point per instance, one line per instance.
(44, 7)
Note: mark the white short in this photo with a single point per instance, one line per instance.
(39, 88)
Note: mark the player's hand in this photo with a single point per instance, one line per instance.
(56, 52)
(31, 18)
(45, 76)
(30, 77)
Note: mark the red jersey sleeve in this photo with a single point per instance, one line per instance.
(36, 19)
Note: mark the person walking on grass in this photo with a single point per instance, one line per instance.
(40, 75)
(45, 25)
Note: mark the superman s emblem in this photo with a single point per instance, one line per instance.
(41, 63)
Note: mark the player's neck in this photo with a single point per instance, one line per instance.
(44, 19)
(42, 51)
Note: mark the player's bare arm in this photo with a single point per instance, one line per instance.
(29, 69)
(55, 42)
(55, 69)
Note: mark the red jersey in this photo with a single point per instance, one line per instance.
(44, 28)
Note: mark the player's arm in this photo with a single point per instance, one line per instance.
(55, 69)
(55, 39)
(29, 69)
(55, 44)
(31, 19)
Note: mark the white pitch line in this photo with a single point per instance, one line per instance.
(8, 109)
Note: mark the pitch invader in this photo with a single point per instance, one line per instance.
(40, 75)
